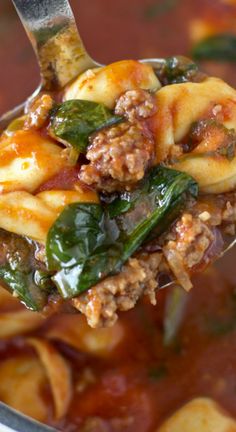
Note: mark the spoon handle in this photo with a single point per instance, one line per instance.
(51, 27)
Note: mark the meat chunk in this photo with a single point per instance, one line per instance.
(118, 157)
(121, 292)
(184, 247)
(39, 112)
(136, 105)
(229, 216)
(192, 238)
(196, 239)
(192, 242)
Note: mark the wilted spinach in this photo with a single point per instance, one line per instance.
(23, 285)
(74, 120)
(179, 69)
(220, 47)
(21, 274)
(88, 242)
(203, 129)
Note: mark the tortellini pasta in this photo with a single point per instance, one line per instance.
(23, 378)
(32, 216)
(200, 414)
(21, 382)
(58, 199)
(179, 106)
(75, 331)
(25, 214)
(213, 174)
(58, 373)
(18, 322)
(28, 160)
(106, 84)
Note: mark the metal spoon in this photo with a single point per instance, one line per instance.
(52, 30)
(51, 27)
(13, 421)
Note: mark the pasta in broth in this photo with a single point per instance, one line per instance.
(129, 177)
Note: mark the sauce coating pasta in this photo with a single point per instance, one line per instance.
(132, 376)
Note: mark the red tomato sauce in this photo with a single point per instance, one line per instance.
(65, 180)
(142, 381)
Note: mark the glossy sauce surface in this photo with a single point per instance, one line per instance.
(138, 382)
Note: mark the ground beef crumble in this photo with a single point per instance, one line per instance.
(38, 113)
(192, 238)
(121, 292)
(136, 104)
(119, 156)
(192, 242)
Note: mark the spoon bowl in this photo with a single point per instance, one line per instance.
(61, 54)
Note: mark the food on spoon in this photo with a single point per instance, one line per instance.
(106, 84)
(129, 177)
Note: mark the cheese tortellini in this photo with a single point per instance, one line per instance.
(32, 216)
(21, 382)
(27, 160)
(58, 199)
(106, 84)
(199, 415)
(179, 106)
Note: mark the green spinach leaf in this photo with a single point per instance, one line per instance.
(179, 69)
(74, 120)
(23, 285)
(221, 47)
(21, 274)
(88, 242)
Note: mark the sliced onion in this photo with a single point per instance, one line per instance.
(175, 262)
